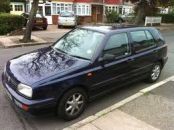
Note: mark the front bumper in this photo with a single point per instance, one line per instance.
(165, 59)
(31, 106)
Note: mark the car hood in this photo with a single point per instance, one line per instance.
(43, 63)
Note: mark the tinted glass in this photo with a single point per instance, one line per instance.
(142, 40)
(67, 14)
(151, 41)
(80, 43)
(117, 45)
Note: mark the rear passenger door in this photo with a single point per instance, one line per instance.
(144, 51)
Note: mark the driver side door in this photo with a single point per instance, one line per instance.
(116, 70)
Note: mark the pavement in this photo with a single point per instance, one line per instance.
(153, 110)
(137, 112)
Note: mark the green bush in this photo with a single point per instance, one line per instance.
(111, 16)
(167, 18)
(10, 23)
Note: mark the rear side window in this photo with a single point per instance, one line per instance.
(142, 40)
(117, 45)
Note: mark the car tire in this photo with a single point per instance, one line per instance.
(44, 28)
(72, 104)
(154, 73)
(59, 26)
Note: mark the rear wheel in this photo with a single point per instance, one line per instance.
(59, 26)
(155, 73)
(72, 104)
(44, 28)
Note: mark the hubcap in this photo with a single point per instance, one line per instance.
(155, 72)
(74, 104)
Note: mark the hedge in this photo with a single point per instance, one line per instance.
(111, 16)
(167, 18)
(9, 22)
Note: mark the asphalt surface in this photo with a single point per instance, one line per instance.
(12, 118)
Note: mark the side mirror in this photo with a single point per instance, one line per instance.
(107, 57)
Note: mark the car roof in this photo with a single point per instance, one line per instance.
(115, 28)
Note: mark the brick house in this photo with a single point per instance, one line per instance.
(87, 10)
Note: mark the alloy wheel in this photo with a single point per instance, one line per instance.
(156, 72)
(74, 104)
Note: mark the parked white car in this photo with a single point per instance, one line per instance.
(67, 19)
(127, 17)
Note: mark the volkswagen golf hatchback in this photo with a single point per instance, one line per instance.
(86, 62)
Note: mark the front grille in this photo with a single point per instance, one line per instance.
(10, 81)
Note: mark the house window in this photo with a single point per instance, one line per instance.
(18, 8)
(82, 9)
(27, 8)
(111, 7)
(60, 7)
(54, 8)
(11, 7)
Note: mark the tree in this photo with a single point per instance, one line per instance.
(29, 26)
(147, 7)
(5, 6)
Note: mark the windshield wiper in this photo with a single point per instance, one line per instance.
(80, 57)
(57, 49)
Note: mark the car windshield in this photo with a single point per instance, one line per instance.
(67, 14)
(80, 43)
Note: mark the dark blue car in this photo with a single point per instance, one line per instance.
(85, 63)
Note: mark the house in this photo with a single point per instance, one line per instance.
(17, 6)
(87, 10)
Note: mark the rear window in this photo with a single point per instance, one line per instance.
(39, 16)
(158, 35)
(66, 14)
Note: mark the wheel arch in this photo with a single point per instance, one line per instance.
(83, 87)
(161, 62)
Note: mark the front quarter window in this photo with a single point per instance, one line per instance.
(80, 43)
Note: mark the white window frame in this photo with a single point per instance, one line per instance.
(112, 7)
(60, 7)
(27, 7)
(19, 8)
(82, 9)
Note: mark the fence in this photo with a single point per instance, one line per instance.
(152, 20)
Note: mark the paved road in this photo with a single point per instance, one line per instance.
(12, 118)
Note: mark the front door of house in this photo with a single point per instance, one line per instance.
(97, 13)
(47, 12)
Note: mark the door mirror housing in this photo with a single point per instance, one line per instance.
(107, 57)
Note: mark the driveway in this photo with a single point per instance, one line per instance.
(51, 34)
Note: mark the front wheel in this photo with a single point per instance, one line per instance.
(155, 73)
(72, 104)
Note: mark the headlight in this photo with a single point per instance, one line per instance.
(25, 90)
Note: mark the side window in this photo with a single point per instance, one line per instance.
(142, 40)
(117, 45)
(150, 38)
